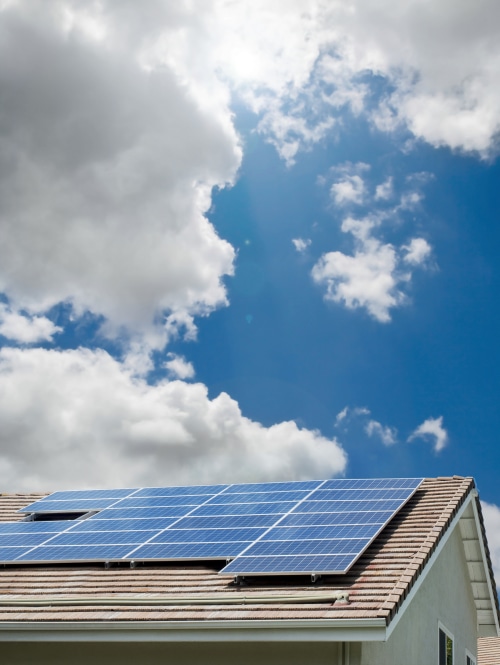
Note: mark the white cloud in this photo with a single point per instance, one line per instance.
(301, 62)
(431, 430)
(25, 329)
(388, 435)
(301, 244)
(368, 279)
(417, 251)
(350, 187)
(178, 367)
(79, 418)
(106, 169)
(341, 415)
(384, 191)
(491, 514)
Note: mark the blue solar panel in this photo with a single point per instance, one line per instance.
(306, 485)
(352, 517)
(207, 535)
(227, 521)
(300, 547)
(258, 497)
(34, 527)
(266, 528)
(124, 525)
(373, 494)
(276, 508)
(103, 537)
(320, 532)
(130, 513)
(154, 501)
(10, 554)
(173, 551)
(76, 553)
(209, 490)
(24, 539)
(75, 505)
(371, 483)
(294, 565)
(70, 495)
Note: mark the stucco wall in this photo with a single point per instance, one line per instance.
(445, 596)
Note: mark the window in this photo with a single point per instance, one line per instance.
(445, 647)
(469, 659)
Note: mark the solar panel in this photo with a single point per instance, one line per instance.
(302, 527)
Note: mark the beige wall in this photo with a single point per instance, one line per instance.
(445, 596)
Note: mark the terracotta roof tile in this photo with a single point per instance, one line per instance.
(488, 651)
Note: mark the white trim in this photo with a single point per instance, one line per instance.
(442, 628)
(486, 570)
(326, 630)
(421, 578)
(468, 654)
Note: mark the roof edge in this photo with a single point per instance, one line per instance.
(291, 630)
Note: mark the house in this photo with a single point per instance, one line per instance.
(422, 592)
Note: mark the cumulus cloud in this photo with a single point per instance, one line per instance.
(367, 279)
(301, 63)
(432, 430)
(178, 367)
(80, 418)
(375, 276)
(26, 329)
(301, 244)
(106, 170)
(417, 251)
(384, 191)
(348, 186)
(388, 435)
(491, 514)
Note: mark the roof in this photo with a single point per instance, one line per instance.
(488, 651)
(376, 585)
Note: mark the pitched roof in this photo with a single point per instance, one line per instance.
(488, 651)
(376, 585)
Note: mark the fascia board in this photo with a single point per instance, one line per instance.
(485, 564)
(328, 630)
(421, 578)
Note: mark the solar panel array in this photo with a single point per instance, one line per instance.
(302, 527)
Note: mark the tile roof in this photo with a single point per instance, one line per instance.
(377, 584)
(488, 651)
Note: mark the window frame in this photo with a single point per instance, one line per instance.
(469, 658)
(442, 628)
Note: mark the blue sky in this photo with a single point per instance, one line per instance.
(243, 242)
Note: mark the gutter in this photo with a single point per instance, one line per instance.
(282, 630)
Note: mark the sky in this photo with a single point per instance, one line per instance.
(243, 242)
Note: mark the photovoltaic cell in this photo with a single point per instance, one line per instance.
(172, 551)
(103, 538)
(124, 524)
(206, 535)
(227, 521)
(209, 490)
(302, 527)
(155, 501)
(352, 517)
(277, 508)
(295, 565)
(76, 553)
